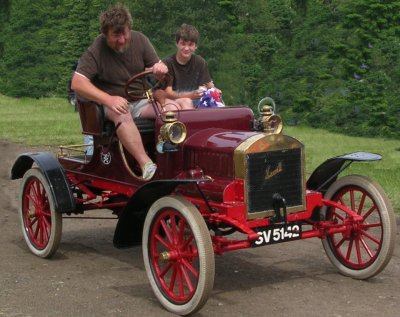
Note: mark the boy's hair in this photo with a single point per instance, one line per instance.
(116, 18)
(187, 33)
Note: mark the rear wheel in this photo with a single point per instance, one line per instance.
(178, 255)
(365, 248)
(41, 224)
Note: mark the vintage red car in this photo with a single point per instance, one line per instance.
(226, 180)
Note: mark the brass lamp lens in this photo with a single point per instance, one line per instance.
(173, 132)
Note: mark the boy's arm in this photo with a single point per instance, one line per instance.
(171, 94)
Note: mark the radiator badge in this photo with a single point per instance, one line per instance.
(269, 172)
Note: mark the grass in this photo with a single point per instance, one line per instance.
(51, 121)
(36, 122)
(321, 145)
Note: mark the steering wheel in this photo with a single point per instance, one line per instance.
(137, 86)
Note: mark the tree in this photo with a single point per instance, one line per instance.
(330, 64)
(27, 36)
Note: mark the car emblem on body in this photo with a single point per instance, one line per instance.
(106, 158)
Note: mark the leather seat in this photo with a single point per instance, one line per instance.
(94, 122)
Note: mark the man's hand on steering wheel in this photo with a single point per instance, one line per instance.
(160, 68)
(139, 84)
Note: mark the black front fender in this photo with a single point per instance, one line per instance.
(130, 223)
(325, 174)
(54, 173)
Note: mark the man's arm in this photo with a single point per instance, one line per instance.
(84, 87)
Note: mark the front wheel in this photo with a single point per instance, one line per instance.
(178, 255)
(41, 223)
(365, 248)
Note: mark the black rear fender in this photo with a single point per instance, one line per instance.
(325, 174)
(54, 173)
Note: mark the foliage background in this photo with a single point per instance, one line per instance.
(332, 64)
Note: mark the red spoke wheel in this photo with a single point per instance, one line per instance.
(178, 255)
(365, 248)
(41, 224)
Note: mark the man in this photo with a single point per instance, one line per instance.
(116, 55)
(189, 72)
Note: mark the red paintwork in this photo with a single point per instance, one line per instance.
(356, 228)
(212, 136)
(233, 123)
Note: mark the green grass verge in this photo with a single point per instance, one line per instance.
(52, 122)
(48, 121)
(321, 145)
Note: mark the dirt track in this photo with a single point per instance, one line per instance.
(89, 277)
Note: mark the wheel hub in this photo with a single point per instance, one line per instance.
(168, 256)
(165, 256)
(31, 213)
(353, 228)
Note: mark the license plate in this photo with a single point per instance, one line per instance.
(277, 233)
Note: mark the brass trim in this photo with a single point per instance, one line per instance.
(261, 143)
(241, 151)
(266, 143)
(131, 172)
(69, 151)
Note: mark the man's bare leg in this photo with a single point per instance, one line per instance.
(130, 137)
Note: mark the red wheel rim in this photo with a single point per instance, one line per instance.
(359, 246)
(174, 256)
(36, 213)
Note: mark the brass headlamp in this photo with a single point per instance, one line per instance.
(271, 122)
(172, 130)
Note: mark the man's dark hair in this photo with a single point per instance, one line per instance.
(116, 18)
(187, 33)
